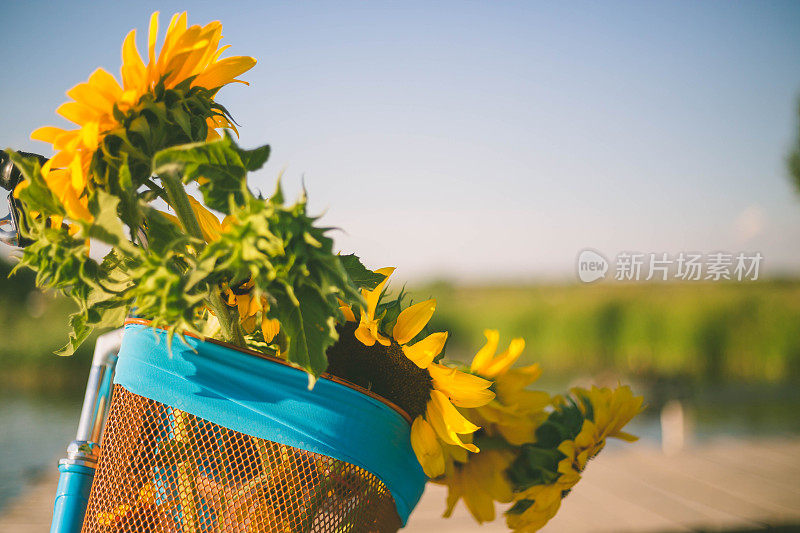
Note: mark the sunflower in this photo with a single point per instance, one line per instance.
(188, 53)
(516, 412)
(252, 308)
(604, 412)
(480, 481)
(543, 504)
(404, 372)
(510, 420)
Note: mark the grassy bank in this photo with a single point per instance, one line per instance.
(704, 332)
(715, 332)
(32, 326)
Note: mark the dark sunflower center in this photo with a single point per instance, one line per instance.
(384, 370)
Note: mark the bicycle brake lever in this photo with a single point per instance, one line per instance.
(10, 176)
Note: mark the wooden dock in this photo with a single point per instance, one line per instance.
(727, 485)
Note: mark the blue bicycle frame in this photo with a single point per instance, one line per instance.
(78, 468)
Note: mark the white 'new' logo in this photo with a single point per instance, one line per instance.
(591, 266)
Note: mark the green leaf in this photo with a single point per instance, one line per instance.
(308, 326)
(361, 276)
(37, 196)
(183, 121)
(108, 314)
(389, 311)
(520, 507)
(126, 189)
(562, 424)
(104, 305)
(222, 165)
(277, 196)
(254, 159)
(106, 226)
(79, 332)
(162, 234)
(534, 466)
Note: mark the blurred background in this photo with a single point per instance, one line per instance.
(479, 147)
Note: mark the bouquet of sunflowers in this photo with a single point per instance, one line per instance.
(266, 278)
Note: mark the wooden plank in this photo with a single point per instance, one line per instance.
(718, 485)
(736, 492)
(758, 462)
(602, 510)
(31, 512)
(697, 502)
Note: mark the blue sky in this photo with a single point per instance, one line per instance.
(484, 139)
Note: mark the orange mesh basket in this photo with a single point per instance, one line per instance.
(163, 469)
(168, 471)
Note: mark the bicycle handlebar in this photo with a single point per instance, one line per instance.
(10, 175)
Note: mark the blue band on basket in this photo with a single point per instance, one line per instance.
(272, 401)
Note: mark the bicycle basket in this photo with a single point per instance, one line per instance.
(209, 438)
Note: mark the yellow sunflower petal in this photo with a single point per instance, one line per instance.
(67, 141)
(134, 75)
(244, 304)
(455, 490)
(423, 352)
(346, 310)
(152, 35)
(427, 448)
(464, 390)
(219, 52)
(448, 422)
(517, 379)
(78, 180)
(503, 362)
(105, 84)
(525, 401)
(457, 453)
(47, 134)
(200, 45)
(412, 319)
(485, 354)
(364, 335)
(218, 121)
(385, 271)
(479, 503)
(270, 327)
(90, 135)
(224, 72)
(372, 297)
(625, 436)
(213, 32)
(77, 112)
(175, 30)
(210, 225)
(499, 485)
(375, 332)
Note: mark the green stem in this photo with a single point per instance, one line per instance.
(179, 201)
(230, 326)
(156, 189)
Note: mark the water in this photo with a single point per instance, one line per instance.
(34, 435)
(36, 428)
